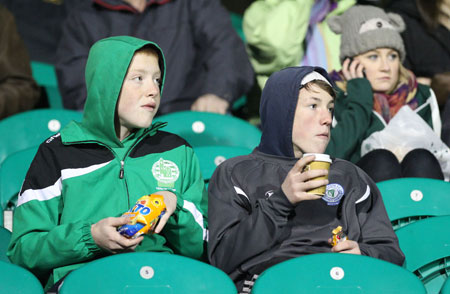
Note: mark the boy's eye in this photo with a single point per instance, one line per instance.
(372, 57)
(157, 81)
(331, 109)
(313, 106)
(137, 78)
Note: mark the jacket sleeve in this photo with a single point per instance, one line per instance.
(186, 230)
(71, 58)
(239, 230)
(377, 238)
(18, 90)
(353, 117)
(222, 49)
(39, 242)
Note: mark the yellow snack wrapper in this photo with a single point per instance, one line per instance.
(144, 216)
(338, 236)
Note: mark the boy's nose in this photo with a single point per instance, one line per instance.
(152, 89)
(327, 118)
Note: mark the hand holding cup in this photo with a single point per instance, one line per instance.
(300, 180)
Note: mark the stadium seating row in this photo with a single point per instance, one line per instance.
(167, 273)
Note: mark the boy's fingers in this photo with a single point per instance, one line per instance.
(302, 162)
(162, 222)
(118, 221)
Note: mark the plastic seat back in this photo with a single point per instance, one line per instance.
(147, 272)
(45, 76)
(410, 199)
(5, 237)
(211, 156)
(205, 128)
(446, 287)
(426, 245)
(15, 279)
(31, 128)
(337, 273)
(12, 173)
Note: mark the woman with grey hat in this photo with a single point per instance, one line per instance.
(373, 86)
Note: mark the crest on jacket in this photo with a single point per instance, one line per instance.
(166, 172)
(333, 194)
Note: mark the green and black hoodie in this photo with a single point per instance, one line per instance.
(85, 174)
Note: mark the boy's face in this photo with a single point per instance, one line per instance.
(140, 95)
(312, 121)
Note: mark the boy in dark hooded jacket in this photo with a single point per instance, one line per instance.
(83, 179)
(260, 211)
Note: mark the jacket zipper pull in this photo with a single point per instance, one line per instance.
(121, 169)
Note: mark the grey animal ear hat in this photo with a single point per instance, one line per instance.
(365, 27)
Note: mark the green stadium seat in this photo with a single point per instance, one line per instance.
(426, 245)
(410, 199)
(337, 273)
(206, 129)
(211, 156)
(31, 128)
(45, 76)
(5, 237)
(12, 173)
(147, 272)
(446, 288)
(15, 279)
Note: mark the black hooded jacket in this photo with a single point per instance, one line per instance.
(252, 225)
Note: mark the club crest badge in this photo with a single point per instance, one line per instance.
(165, 172)
(333, 194)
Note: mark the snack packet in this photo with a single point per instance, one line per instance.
(144, 216)
(338, 236)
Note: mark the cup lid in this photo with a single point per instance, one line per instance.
(319, 156)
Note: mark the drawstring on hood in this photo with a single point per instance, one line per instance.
(277, 109)
(106, 69)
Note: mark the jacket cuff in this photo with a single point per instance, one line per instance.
(280, 204)
(87, 239)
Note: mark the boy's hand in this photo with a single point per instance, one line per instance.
(298, 182)
(210, 103)
(170, 200)
(105, 235)
(347, 246)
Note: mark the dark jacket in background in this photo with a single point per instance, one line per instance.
(18, 90)
(427, 52)
(203, 52)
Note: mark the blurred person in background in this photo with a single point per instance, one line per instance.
(18, 90)
(207, 66)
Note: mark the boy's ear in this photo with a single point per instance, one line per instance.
(397, 21)
(334, 22)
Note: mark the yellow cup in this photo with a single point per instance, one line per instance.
(321, 161)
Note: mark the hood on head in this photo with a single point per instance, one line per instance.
(277, 108)
(106, 69)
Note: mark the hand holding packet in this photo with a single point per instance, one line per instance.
(338, 236)
(144, 216)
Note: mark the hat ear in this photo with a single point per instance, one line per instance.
(397, 21)
(334, 22)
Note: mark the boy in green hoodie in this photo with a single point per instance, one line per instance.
(83, 179)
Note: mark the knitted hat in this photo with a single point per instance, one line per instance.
(365, 28)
